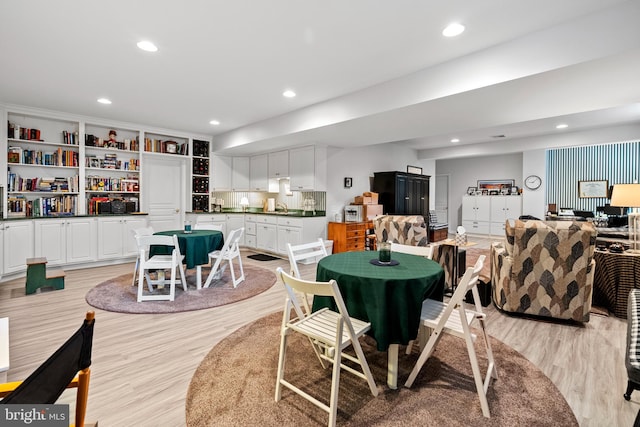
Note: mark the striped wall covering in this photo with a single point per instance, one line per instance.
(617, 163)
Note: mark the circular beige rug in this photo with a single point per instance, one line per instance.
(235, 385)
(118, 295)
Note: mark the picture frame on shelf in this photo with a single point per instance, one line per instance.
(514, 190)
(593, 189)
(494, 192)
(348, 182)
(485, 192)
(414, 169)
(495, 184)
(471, 191)
(505, 191)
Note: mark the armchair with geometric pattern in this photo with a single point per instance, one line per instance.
(545, 268)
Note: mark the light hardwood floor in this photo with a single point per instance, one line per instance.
(142, 364)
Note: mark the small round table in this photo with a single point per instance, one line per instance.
(195, 247)
(389, 297)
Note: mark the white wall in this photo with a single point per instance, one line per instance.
(466, 172)
(533, 201)
(360, 164)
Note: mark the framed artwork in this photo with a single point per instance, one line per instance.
(593, 189)
(348, 182)
(414, 169)
(471, 191)
(495, 184)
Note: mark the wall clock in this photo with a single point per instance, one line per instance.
(533, 182)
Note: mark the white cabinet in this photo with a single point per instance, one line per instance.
(240, 174)
(308, 168)
(66, 241)
(221, 173)
(279, 164)
(235, 221)
(487, 214)
(289, 231)
(266, 233)
(476, 214)
(259, 179)
(115, 236)
(502, 209)
(250, 230)
(17, 245)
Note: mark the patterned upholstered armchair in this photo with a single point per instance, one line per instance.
(545, 268)
(407, 230)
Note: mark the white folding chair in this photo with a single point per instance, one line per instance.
(424, 251)
(306, 251)
(454, 319)
(171, 262)
(229, 252)
(330, 332)
(144, 231)
(214, 227)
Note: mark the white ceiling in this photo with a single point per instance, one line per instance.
(366, 71)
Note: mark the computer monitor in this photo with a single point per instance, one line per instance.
(614, 210)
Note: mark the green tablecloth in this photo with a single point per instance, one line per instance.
(194, 246)
(388, 297)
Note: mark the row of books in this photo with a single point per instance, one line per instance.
(126, 145)
(98, 183)
(110, 161)
(42, 206)
(24, 133)
(59, 157)
(168, 147)
(71, 138)
(16, 183)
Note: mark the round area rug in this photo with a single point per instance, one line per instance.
(235, 385)
(118, 295)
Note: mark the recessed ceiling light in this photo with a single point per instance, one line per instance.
(288, 94)
(454, 140)
(104, 101)
(214, 122)
(147, 46)
(453, 29)
(562, 126)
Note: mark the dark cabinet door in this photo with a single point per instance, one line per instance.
(402, 193)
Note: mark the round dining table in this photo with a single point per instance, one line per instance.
(195, 247)
(388, 296)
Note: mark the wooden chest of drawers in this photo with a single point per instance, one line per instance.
(349, 236)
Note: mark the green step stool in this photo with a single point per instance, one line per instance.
(38, 276)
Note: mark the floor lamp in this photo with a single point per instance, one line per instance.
(628, 195)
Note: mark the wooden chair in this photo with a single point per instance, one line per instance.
(330, 332)
(229, 252)
(171, 262)
(144, 231)
(424, 251)
(68, 367)
(454, 319)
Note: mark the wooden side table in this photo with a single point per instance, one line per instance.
(616, 274)
(454, 276)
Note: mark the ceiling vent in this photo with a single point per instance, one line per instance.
(498, 136)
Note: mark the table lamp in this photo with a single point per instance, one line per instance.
(244, 202)
(628, 195)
